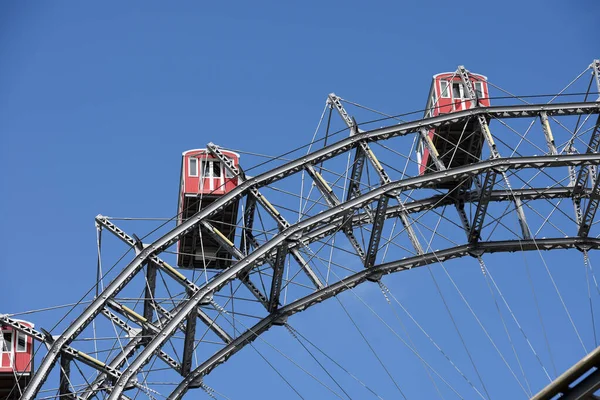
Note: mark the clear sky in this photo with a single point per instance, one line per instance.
(99, 99)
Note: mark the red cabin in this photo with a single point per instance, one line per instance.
(203, 180)
(16, 361)
(460, 143)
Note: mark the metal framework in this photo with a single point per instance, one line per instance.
(258, 259)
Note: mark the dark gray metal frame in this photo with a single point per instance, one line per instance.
(294, 236)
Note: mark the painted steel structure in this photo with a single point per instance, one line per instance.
(150, 329)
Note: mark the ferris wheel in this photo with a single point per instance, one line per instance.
(478, 175)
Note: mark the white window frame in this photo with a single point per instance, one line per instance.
(195, 174)
(448, 88)
(24, 337)
(10, 351)
(481, 86)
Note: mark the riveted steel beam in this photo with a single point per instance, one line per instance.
(137, 318)
(376, 232)
(157, 262)
(590, 212)
(485, 129)
(278, 268)
(225, 243)
(288, 169)
(64, 380)
(352, 281)
(363, 150)
(336, 101)
(248, 236)
(188, 343)
(333, 201)
(271, 210)
(482, 204)
(220, 280)
(595, 66)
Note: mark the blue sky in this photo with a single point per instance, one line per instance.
(97, 101)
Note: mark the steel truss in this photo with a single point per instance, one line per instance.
(293, 240)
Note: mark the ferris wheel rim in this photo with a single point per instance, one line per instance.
(374, 274)
(317, 156)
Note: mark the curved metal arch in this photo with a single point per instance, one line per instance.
(373, 274)
(440, 200)
(295, 232)
(288, 169)
(415, 207)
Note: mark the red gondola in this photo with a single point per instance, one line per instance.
(16, 361)
(459, 143)
(203, 180)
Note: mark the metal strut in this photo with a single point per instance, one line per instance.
(278, 268)
(288, 169)
(376, 231)
(137, 318)
(191, 287)
(481, 211)
(595, 66)
(228, 245)
(483, 125)
(588, 217)
(548, 133)
(188, 343)
(433, 152)
(66, 351)
(333, 201)
(64, 380)
(580, 182)
(281, 221)
(383, 176)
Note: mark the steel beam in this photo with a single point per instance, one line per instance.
(433, 152)
(567, 384)
(482, 204)
(281, 221)
(587, 219)
(336, 102)
(363, 150)
(592, 147)
(157, 262)
(286, 170)
(188, 343)
(580, 182)
(235, 252)
(596, 71)
(245, 264)
(376, 232)
(483, 125)
(350, 282)
(137, 318)
(277, 280)
(248, 236)
(548, 133)
(333, 201)
(64, 380)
